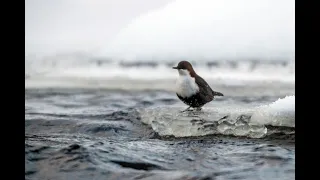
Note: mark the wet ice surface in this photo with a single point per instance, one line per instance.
(104, 134)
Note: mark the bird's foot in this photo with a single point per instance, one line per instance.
(194, 109)
(188, 109)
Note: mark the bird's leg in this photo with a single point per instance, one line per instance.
(186, 109)
(198, 109)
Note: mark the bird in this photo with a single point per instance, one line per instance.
(192, 89)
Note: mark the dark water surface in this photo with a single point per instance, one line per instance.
(106, 134)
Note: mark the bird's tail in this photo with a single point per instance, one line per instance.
(217, 93)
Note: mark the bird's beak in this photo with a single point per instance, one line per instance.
(174, 67)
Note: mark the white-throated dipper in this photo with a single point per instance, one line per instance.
(192, 89)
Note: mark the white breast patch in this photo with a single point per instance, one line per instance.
(186, 85)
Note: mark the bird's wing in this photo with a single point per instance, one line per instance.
(205, 90)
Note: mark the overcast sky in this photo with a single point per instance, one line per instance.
(145, 29)
(54, 25)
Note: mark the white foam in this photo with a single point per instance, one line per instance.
(278, 113)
